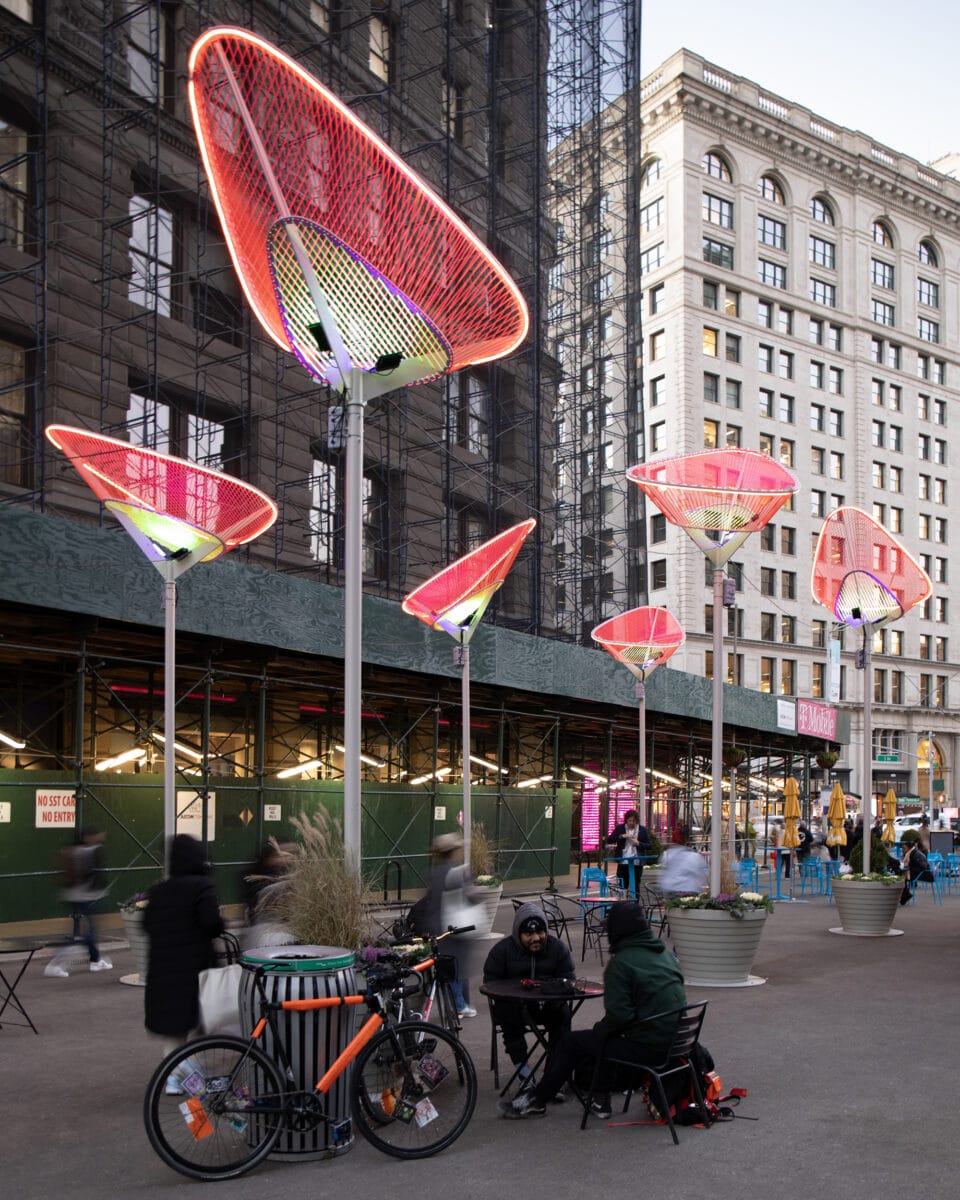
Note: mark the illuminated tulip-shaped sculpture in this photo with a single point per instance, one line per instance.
(642, 639)
(349, 261)
(718, 497)
(178, 514)
(454, 601)
(865, 577)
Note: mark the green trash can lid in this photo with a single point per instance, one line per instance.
(291, 959)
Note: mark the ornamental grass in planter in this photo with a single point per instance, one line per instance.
(867, 903)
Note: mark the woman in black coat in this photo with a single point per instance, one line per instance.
(181, 919)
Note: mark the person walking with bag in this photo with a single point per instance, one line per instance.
(447, 903)
(181, 919)
(81, 870)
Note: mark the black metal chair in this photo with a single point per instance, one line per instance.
(594, 929)
(556, 918)
(676, 1060)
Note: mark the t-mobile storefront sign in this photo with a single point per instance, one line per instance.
(817, 720)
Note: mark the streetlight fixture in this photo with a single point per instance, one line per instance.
(349, 261)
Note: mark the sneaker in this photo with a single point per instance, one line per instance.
(467, 1012)
(521, 1107)
(561, 1097)
(173, 1088)
(55, 971)
(599, 1106)
(102, 964)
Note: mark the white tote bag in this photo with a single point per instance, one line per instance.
(220, 999)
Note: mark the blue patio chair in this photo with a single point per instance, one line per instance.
(810, 876)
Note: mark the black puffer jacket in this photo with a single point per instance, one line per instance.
(509, 960)
(181, 920)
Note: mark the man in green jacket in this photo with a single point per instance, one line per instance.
(640, 981)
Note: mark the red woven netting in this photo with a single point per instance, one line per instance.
(862, 573)
(641, 639)
(455, 598)
(233, 511)
(277, 144)
(716, 490)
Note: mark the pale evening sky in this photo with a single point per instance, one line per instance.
(887, 69)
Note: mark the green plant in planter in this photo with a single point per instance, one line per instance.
(656, 846)
(483, 857)
(911, 837)
(827, 759)
(879, 858)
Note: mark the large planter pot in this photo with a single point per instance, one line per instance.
(487, 901)
(866, 908)
(714, 948)
(139, 947)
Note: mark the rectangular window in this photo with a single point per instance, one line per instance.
(657, 301)
(835, 381)
(881, 274)
(658, 391)
(765, 314)
(835, 337)
(816, 331)
(652, 259)
(835, 423)
(823, 253)
(658, 437)
(823, 293)
(14, 185)
(895, 439)
(785, 364)
(767, 668)
(768, 581)
(732, 345)
(711, 434)
(731, 303)
(893, 356)
(818, 503)
(928, 331)
(786, 409)
(658, 345)
(882, 313)
(836, 465)
(151, 256)
(879, 475)
(923, 366)
(733, 393)
(877, 431)
(765, 359)
(379, 56)
(658, 574)
(876, 350)
(788, 585)
(771, 233)
(711, 389)
(896, 687)
(895, 397)
(453, 102)
(711, 294)
(788, 540)
(817, 680)
(928, 293)
(717, 211)
(768, 627)
(939, 415)
(151, 51)
(895, 475)
(14, 413)
(718, 254)
(817, 412)
(817, 375)
(651, 215)
(768, 444)
(658, 528)
(468, 417)
(765, 402)
(788, 630)
(787, 449)
(772, 274)
(818, 460)
(940, 491)
(785, 321)
(923, 446)
(710, 338)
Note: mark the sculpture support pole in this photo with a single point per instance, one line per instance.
(716, 803)
(352, 620)
(465, 717)
(169, 716)
(644, 805)
(867, 783)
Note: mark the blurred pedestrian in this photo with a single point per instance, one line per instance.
(181, 919)
(272, 863)
(81, 871)
(447, 902)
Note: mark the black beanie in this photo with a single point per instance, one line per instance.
(625, 918)
(533, 925)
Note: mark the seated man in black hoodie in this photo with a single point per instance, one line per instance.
(641, 981)
(530, 952)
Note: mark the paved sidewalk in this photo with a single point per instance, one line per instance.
(850, 1053)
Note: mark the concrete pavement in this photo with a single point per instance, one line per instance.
(850, 1053)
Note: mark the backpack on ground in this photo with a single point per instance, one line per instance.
(684, 1106)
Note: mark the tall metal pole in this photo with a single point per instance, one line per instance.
(645, 804)
(352, 620)
(465, 708)
(930, 763)
(716, 803)
(169, 716)
(867, 786)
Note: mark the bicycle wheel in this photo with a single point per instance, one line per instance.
(414, 1090)
(445, 1010)
(214, 1108)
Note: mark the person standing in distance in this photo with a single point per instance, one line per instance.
(632, 841)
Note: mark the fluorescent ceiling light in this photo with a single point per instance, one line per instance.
(482, 762)
(432, 775)
(135, 754)
(525, 783)
(6, 738)
(179, 746)
(666, 778)
(364, 758)
(299, 769)
(589, 774)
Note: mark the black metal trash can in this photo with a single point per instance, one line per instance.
(312, 1040)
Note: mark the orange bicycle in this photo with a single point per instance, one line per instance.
(216, 1106)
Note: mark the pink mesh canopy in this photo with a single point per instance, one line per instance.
(862, 573)
(456, 598)
(163, 494)
(642, 639)
(306, 192)
(719, 497)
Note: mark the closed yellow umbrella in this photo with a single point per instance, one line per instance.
(791, 814)
(889, 812)
(836, 814)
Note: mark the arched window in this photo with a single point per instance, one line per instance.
(651, 172)
(715, 165)
(770, 190)
(927, 254)
(881, 234)
(821, 211)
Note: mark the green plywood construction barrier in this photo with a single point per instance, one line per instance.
(397, 827)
